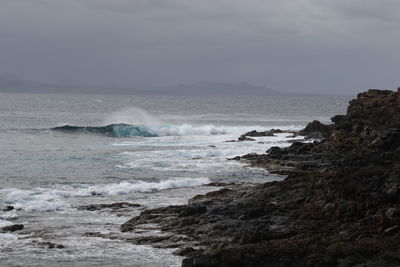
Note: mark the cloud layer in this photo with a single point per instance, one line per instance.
(299, 45)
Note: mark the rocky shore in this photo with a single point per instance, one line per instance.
(338, 206)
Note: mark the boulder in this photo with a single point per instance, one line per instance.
(12, 228)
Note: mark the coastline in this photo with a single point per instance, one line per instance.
(71, 191)
(338, 206)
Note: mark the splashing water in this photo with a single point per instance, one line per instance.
(132, 116)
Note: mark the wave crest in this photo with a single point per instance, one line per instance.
(128, 130)
(112, 130)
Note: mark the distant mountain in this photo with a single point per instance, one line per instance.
(200, 88)
(13, 85)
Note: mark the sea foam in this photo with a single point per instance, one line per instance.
(52, 199)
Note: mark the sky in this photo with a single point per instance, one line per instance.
(316, 46)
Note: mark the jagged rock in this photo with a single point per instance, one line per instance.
(316, 130)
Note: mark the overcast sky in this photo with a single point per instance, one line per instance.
(325, 46)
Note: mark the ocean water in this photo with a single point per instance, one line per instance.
(165, 152)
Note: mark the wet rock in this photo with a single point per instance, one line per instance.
(199, 261)
(184, 251)
(258, 134)
(316, 130)
(193, 210)
(12, 228)
(101, 235)
(392, 229)
(112, 206)
(50, 245)
(8, 208)
(211, 196)
(245, 138)
(392, 190)
(393, 213)
(254, 133)
(218, 184)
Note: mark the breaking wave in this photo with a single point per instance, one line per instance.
(50, 199)
(128, 130)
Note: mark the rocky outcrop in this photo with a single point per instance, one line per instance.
(316, 130)
(338, 206)
(246, 136)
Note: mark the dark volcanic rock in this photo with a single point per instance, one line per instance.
(50, 245)
(316, 130)
(245, 138)
(184, 251)
(338, 206)
(12, 228)
(191, 210)
(8, 208)
(255, 133)
(112, 206)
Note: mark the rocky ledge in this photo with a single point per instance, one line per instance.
(338, 206)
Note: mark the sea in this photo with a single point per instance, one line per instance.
(150, 150)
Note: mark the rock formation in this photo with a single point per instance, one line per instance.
(316, 130)
(338, 206)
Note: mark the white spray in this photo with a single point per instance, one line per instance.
(132, 115)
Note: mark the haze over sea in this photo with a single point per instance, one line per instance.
(47, 175)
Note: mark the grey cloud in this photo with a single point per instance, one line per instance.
(128, 6)
(304, 45)
(384, 10)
